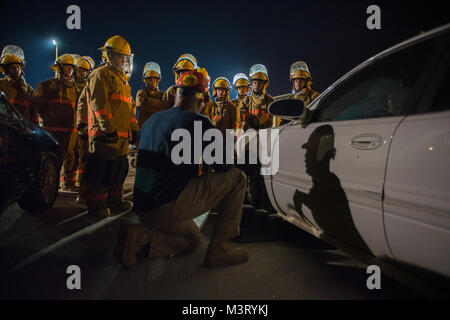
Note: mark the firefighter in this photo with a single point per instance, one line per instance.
(18, 91)
(301, 83)
(150, 100)
(255, 115)
(208, 104)
(222, 112)
(242, 85)
(186, 62)
(84, 66)
(112, 126)
(253, 109)
(56, 99)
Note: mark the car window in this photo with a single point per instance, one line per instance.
(380, 90)
(442, 99)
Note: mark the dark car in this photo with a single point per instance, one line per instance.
(29, 161)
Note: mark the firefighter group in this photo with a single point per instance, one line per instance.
(90, 111)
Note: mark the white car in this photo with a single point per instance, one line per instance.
(367, 165)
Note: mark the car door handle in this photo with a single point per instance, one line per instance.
(367, 141)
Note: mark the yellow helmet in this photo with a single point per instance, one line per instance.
(63, 59)
(223, 83)
(117, 44)
(299, 70)
(85, 62)
(241, 80)
(259, 71)
(11, 54)
(186, 62)
(151, 69)
(10, 58)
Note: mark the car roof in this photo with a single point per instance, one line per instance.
(419, 38)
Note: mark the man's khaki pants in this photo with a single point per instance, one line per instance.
(173, 230)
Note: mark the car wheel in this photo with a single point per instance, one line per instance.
(42, 193)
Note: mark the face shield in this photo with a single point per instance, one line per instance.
(11, 54)
(258, 68)
(151, 66)
(125, 65)
(128, 67)
(13, 50)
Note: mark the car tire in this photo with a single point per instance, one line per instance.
(42, 193)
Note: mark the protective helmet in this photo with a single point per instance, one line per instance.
(66, 58)
(193, 79)
(117, 44)
(223, 83)
(85, 62)
(151, 70)
(185, 62)
(259, 71)
(11, 54)
(241, 80)
(75, 57)
(300, 70)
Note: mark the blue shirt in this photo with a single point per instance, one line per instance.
(158, 179)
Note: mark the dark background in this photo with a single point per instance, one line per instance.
(226, 37)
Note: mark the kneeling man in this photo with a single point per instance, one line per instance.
(168, 196)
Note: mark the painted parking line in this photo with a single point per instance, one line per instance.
(84, 213)
(64, 241)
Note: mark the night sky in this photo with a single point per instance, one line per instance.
(226, 37)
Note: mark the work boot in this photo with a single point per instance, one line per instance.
(132, 238)
(124, 205)
(67, 187)
(225, 255)
(102, 213)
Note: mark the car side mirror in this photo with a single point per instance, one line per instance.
(290, 109)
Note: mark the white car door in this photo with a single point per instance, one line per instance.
(331, 173)
(417, 189)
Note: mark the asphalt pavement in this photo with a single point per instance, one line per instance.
(286, 263)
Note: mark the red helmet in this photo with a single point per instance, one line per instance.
(193, 79)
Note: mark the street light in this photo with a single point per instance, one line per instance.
(56, 49)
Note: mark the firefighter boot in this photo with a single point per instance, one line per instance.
(223, 254)
(131, 240)
(122, 206)
(102, 212)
